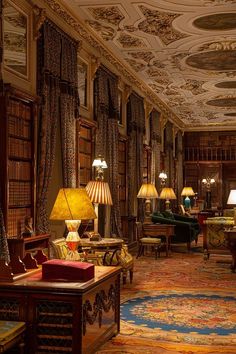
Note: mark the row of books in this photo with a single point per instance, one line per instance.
(19, 127)
(19, 109)
(19, 193)
(85, 160)
(85, 176)
(19, 170)
(85, 133)
(20, 148)
(85, 146)
(16, 221)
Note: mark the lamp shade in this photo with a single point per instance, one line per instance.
(148, 191)
(167, 193)
(187, 192)
(72, 204)
(232, 197)
(99, 192)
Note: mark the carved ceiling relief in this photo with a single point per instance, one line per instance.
(128, 41)
(160, 24)
(176, 55)
(111, 15)
(194, 86)
(107, 33)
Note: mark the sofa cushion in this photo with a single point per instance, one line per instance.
(168, 215)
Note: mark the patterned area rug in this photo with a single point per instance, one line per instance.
(180, 304)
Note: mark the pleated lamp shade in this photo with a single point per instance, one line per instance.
(167, 193)
(148, 191)
(99, 192)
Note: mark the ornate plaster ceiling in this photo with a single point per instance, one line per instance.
(184, 51)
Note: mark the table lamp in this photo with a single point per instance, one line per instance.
(99, 193)
(147, 191)
(72, 205)
(167, 194)
(232, 201)
(187, 192)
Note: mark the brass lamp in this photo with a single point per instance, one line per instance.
(147, 191)
(232, 200)
(167, 194)
(187, 192)
(99, 193)
(72, 205)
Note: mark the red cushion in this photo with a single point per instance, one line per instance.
(59, 269)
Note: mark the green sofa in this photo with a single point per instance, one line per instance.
(187, 229)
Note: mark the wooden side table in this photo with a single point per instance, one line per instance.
(156, 230)
(230, 236)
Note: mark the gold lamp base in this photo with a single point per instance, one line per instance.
(73, 240)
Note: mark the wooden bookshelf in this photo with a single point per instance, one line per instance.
(85, 139)
(17, 162)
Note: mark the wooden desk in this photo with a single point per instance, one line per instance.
(230, 236)
(155, 230)
(64, 317)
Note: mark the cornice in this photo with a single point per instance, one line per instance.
(95, 43)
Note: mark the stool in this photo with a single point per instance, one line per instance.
(11, 335)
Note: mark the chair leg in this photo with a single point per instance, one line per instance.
(188, 246)
(156, 250)
(140, 251)
(131, 273)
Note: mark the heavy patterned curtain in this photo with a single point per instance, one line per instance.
(155, 141)
(57, 83)
(106, 110)
(4, 252)
(136, 131)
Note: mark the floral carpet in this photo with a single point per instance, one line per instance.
(180, 304)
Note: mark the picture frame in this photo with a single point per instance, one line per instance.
(15, 40)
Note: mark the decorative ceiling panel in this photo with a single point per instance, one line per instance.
(183, 51)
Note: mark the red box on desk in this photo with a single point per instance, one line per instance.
(58, 269)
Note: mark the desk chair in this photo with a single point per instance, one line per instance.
(144, 242)
(12, 336)
(60, 251)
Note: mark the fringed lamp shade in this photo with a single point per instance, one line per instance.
(99, 193)
(147, 191)
(72, 205)
(167, 194)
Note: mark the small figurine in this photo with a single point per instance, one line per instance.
(28, 231)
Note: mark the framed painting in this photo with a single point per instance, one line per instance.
(15, 39)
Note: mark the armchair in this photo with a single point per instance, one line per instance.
(187, 229)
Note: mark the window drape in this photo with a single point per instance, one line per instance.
(4, 252)
(57, 87)
(107, 140)
(136, 131)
